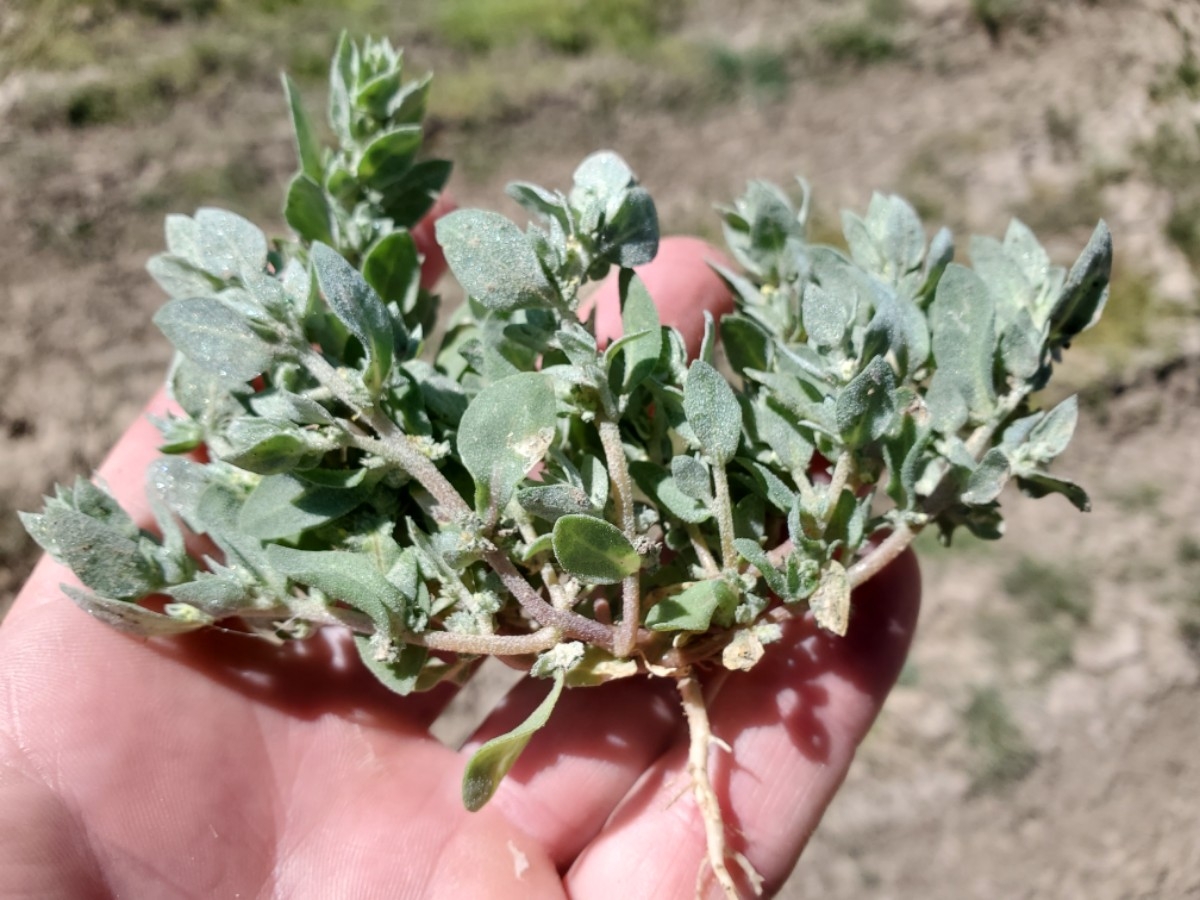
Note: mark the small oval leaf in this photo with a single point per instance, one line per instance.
(713, 412)
(505, 431)
(214, 337)
(593, 550)
(493, 260)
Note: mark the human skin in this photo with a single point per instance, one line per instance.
(217, 765)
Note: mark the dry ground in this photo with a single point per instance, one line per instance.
(1042, 743)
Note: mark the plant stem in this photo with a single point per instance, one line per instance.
(703, 554)
(618, 473)
(875, 561)
(449, 641)
(571, 624)
(393, 445)
(489, 644)
(842, 470)
(622, 489)
(724, 516)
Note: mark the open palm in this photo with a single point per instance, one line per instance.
(217, 765)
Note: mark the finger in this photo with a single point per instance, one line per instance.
(122, 474)
(682, 284)
(433, 260)
(574, 772)
(793, 724)
(303, 676)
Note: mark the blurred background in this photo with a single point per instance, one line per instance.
(1042, 742)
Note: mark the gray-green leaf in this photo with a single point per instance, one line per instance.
(639, 353)
(988, 479)
(359, 308)
(349, 577)
(284, 505)
(713, 412)
(693, 477)
(1051, 435)
(505, 431)
(964, 342)
(1086, 291)
(867, 407)
(393, 269)
(307, 210)
(494, 759)
(229, 245)
(214, 337)
(307, 147)
(593, 550)
(102, 556)
(552, 501)
(134, 619)
(399, 668)
(493, 260)
(694, 608)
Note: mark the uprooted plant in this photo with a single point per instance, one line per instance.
(522, 490)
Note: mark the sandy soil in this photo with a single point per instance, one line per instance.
(1090, 789)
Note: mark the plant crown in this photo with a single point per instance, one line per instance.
(519, 489)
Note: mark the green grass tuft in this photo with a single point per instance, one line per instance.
(1048, 593)
(860, 42)
(1003, 754)
(759, 71)
(564, 26)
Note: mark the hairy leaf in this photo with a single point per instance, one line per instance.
(307, 210)
(359, 308)
(713, 412)
(1083, 296)
(867, 408)
(593, 550)
(694, 608)
(504, 433)
(398, 669)
(961, 320)
(988, 479)
(348, 577)
(493, 260)
(493, 760)
(284, 505)
(134, 619)
(215, 337)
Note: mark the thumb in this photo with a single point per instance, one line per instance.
(682, 284)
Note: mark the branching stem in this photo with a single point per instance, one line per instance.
(899, 540)
(875, 561)
(703, 554)
(724, 515)
(571, 624)
(394, 446)
(622, 489)
(392, 443)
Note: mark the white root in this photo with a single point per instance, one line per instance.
(701, 739)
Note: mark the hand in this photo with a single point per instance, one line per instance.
(216, 765)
